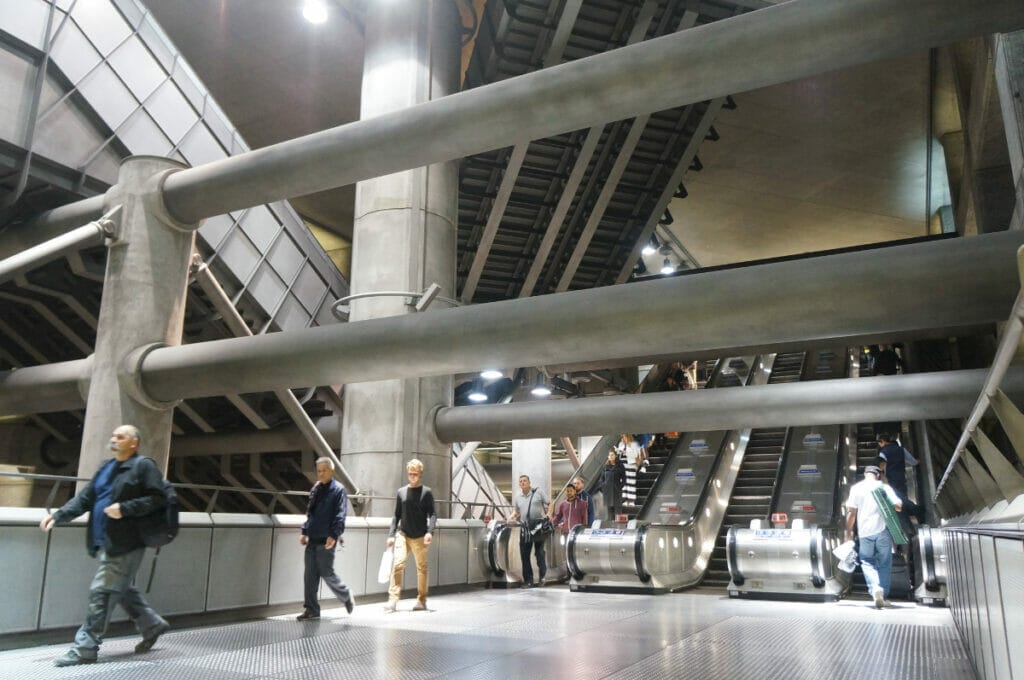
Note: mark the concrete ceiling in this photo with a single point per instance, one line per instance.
(275, 75)
(833, 161)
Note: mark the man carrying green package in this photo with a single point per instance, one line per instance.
(866, 512)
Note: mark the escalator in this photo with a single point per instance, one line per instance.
(668, 547)
(755, 483)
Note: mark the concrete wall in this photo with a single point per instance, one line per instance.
(217, 562)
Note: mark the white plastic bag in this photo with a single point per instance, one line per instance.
(847, 556)
(386, 562)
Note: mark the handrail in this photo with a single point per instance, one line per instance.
(1004, 356)
(61, 479)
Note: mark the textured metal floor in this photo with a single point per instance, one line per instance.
(546, 633)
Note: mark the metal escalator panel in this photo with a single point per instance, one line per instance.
(668, 556)
(680, 474)
(755, 483)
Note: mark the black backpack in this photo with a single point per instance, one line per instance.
(160, 528)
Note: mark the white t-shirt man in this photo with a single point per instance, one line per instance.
(869, 519)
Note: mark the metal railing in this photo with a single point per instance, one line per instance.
(275, 495)
(1008, 346)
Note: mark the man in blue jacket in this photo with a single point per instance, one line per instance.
(325, 523)
(125, 488)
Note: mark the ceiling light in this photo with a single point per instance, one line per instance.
(491, 374)
(541, 389)
(652, 246)
(315, 11)
(477, 394)
(667, 268)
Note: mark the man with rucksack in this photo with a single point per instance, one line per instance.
(125, 489)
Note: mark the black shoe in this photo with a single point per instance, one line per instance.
(528, 584)
(149, 639)
(71, 658)
(307, 616)
(350, 604)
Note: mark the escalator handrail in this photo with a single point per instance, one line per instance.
(702, 499)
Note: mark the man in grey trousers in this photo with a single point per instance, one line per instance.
(325, 523)
(125, 488)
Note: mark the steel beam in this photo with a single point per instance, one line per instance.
(27, 260)
(919, 396)
(787, 42)
(49, 225)
(900, 291)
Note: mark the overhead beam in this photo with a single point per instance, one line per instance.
(787, 42)
(919, 396)
(900, 290)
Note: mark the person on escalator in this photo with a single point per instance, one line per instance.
(581, 492)
(571, 511)
(613, 478)
(893, 460)
(875, 551)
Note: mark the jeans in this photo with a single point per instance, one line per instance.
(114, 585)
(876, 561)
(524, 553)
(319, 563)
(421, 553)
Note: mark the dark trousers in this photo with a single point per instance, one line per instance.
(114, 584)
(542, 565)
(320, 565)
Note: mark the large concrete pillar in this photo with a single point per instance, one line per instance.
(143, 307)
(531, 457)
(1009, 72)
(404, 239)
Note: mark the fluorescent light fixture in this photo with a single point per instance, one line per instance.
(491, 374)
(652, 246)
(667, 268)
(477, 394)
(541, 389)
(315, 11)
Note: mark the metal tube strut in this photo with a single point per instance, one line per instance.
(778, 44)
(919, 396)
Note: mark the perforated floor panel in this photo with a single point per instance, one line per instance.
(545, 633)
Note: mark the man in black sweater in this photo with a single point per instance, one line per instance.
(412, 529)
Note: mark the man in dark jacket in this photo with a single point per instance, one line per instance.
(125, 488)
(412, 529)
(325, 523)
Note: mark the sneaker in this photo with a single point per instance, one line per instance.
(879, 596)
(71, 658)
(150, 637)
(420, 606)
(391, 606)
(350, 604)
(528, 584)
(307, 616)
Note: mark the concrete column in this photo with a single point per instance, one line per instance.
(143, 306)
(1009, 72)
(404, 239)
(531, 457)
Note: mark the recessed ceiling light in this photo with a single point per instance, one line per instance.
(315, 11)
(491, 374)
